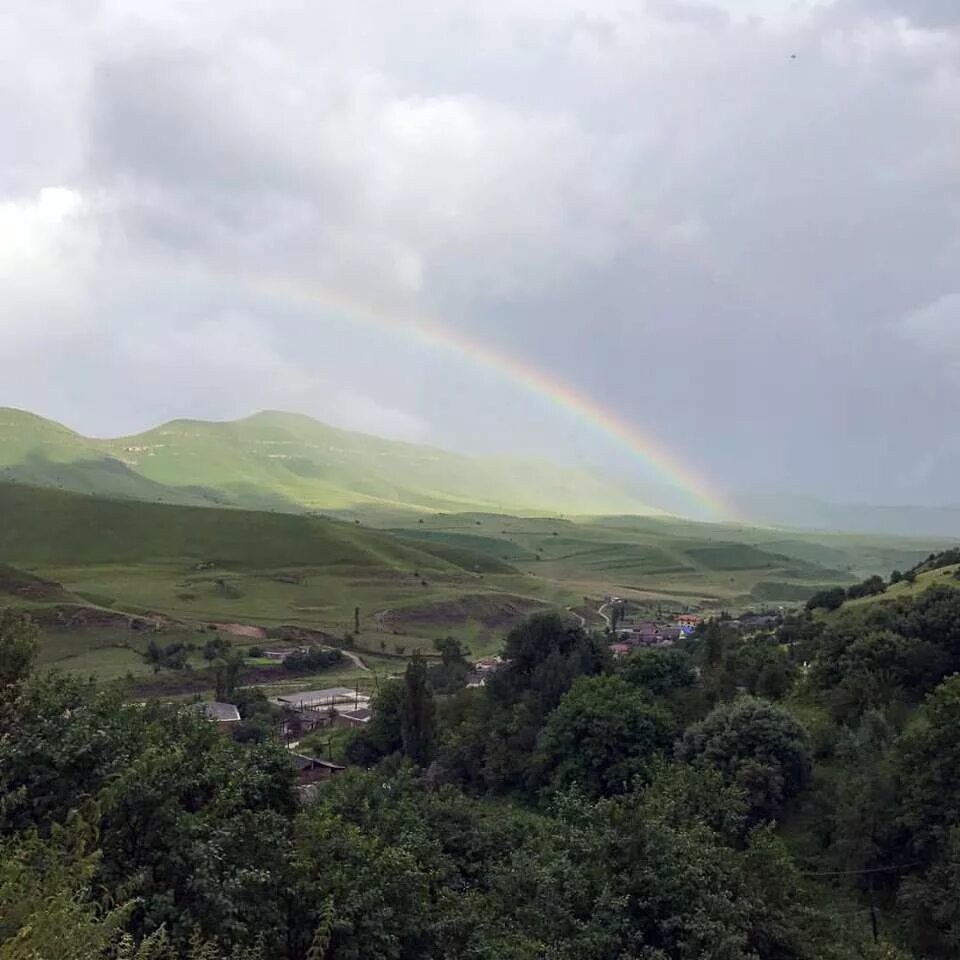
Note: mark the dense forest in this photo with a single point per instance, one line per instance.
(787, 793)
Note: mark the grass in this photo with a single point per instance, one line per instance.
(948, 576)
(288, 462)
(469, 575)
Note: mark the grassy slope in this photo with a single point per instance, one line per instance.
(469, 575)
(45, 528)
(945, 576)
(289, 462)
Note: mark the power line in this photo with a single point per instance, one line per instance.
(848, 873)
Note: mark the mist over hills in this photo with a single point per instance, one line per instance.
(791, 510)
(290, 462)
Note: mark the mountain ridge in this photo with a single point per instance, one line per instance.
(291, 462)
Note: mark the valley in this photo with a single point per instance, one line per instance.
(384, 585)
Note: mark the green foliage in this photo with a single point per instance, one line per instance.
(418, 720)
(543, 657)
(492, 734)
(192, 824)
(451, 673)
(659, 671)
(757, 746)
(830, 599)
(864, 798)
(217, 647)
(140, 832)
(868, 588)
(18, 648)
(888, 652)
(312, 660)
(602, 736)
(172, 656)
(382, 735)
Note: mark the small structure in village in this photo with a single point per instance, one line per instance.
(482, 671)
(322, 699)
(352, 718)
(312, 769)
(222, 713)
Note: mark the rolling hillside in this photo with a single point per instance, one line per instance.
(44, 528)
(291, 463)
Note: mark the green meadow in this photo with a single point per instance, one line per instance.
(86, 565)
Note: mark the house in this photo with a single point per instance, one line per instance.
(311, 769)
(689, 620)
(759, 621)
(488, 664)
(669, 632)
(283, 654)
(646, 634)
(322, 699)
(352, 718)
(216, 711)
(620, 649)
(482, 669)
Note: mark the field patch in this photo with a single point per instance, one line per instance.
(490, 610)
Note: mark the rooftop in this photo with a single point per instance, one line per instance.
(363, 714)
(215, 710)
(303, 762)
(327, 696)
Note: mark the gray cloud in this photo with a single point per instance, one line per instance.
(719, 220)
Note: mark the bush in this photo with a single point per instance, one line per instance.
(757, 746)
(313, 659)
(830, 599)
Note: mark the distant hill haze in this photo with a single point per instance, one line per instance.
(290, 462)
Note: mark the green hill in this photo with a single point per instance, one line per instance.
(44, 528)
(289, 462)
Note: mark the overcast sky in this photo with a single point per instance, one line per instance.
(735, 224)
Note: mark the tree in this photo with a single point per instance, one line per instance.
(928, 768)
(868, 588)
(454, 667)
(757, 746)
(602, 735)
(417, 712)
(542, 657)
(217, 647)
(381, 736)
(661, 671)
(18, 648)
(312, 660)
(226, 671)
(830, 599)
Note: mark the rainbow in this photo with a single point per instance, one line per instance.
(536, 381)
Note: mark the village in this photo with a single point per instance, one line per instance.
(301, 713)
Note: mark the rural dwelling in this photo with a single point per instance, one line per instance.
(646, 634)
(689, 620)
(311, 769)
(322, 699)
(620, 649)
(221, 713)
(482, 669)
(352, 718)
